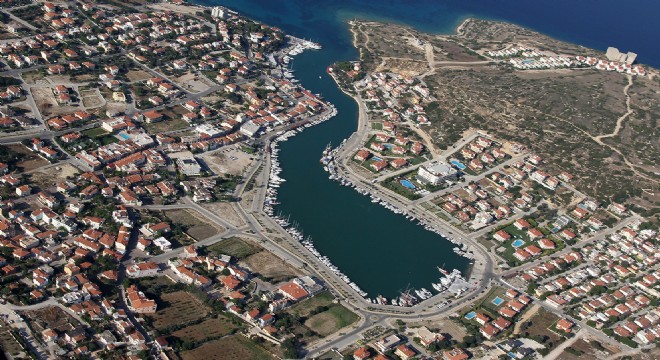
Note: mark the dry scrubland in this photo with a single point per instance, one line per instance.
(569, 117)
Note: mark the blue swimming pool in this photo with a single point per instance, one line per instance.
(124, 136)
(518, 243)
(470, 315)
(408, 184)
(388, 146)
(458, 164)
(376, 158)
(497, 301)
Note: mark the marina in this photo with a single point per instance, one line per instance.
(380, 250)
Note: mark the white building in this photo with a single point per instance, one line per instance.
(163, 244)
(436, 172)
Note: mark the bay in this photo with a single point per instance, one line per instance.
(383, 252)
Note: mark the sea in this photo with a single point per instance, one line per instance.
(383, 252)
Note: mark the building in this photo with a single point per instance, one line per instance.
(436, 172)
(139, 303)
(186, 163)
(613, 54)
(387, 343)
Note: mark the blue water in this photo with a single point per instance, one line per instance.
(497, 301)
(383, 252)
(124, 136)
(388, 146)
(517, 243)
(470, 315)
(458, 164)
(631, 25)
(408, 184)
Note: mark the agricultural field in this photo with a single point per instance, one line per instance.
(177, 308)
(210, 328)
(231, 347)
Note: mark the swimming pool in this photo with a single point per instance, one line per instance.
(376, 158)
(458, 164)
(388, 146)
(518, 243)
(470, 315)
(408, 184)
(124, 136)
(497, 301)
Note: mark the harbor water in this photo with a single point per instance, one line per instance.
(381, 251)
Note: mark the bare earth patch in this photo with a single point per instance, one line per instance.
(48, 177)
(226, 212)
(198, 226)
(270, 266)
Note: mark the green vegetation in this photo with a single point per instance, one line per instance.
(234, 246)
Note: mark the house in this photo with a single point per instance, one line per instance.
(138, 302)
(521, 224)
(546, 244)
(361, 353)
(293, 291)
(405, 352)
(489, 331)
(501, 236)
(534, 234)
(481, 319)
(362, 155)
(428, 337)
(564, 325)
(388, 343)
(378, 165)
(455, 354)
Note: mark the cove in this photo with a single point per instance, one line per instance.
(383, 252)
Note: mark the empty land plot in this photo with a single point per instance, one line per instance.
(166, 126)
(331, 320)
(51, 317)
(211, 328)
(137, 75)
(270, 266)
(30, 160)
(197, 226)
(46, 177)
(178, 307)
(235, 246)
(31, 77)
(541, 324)
(581, 349)
(191, 82)
(231, 347)
(305, 307)
(232, 161)
(9, 345)
(226, 212)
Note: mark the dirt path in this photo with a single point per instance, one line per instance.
(554, 354)
(632, 166)
(427, 140)
(526, 316)
(619, 121)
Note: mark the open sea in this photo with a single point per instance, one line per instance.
(383, 252)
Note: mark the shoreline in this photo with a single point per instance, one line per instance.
(329, 166)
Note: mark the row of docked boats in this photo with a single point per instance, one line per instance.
(274, 181)
(409, 297)
(328, 159)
